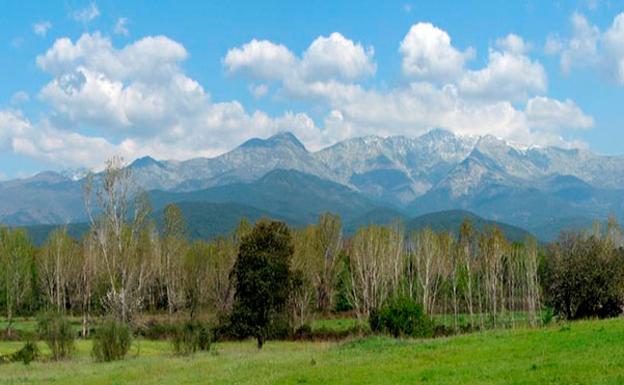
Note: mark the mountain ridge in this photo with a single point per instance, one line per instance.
(523, 186)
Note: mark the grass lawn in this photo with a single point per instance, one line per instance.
(587, 352)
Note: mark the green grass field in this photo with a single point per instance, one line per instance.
(586, 352)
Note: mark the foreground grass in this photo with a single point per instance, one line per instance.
(588, 352)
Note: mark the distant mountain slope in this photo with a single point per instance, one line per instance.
(289, 193)
(530, 187)
(451, 221)
(204, 220)
(395, 169)
(47, 197)
(39, 233)
(440, 221)
(376, 216)
(247, 162)
(208, 220)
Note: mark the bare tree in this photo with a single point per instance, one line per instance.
(54, 266)
(308, 265)
(117, 233)
(173, 250)
(373, 267)
(16, 254)
(532, 280)
(221, 260)
(492, 246)
(196, 275)
(425, 251)
(466, 257)
(329, 242)
(85, 277)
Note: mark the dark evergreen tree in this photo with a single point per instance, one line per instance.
(263, 281)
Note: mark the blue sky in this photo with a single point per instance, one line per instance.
(82, 81)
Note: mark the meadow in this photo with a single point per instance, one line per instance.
(581, 352)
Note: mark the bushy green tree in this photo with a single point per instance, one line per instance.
(401, 317)
(263, 281)
(584, 277)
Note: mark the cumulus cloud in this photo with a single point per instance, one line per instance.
(429, 55)
(137, 100)
(613, 41)
(87, 14)
(131, 101)
(337, 57)
(121, 27)
(582, 47)
(46, 143)
(509, 75)
(20, 97)
(327, 58)
(150, 57)
(42, 28)
(590, 47)
(551, 114)
(554, 44)
(261, 59)
(441, 92)
(258, 90)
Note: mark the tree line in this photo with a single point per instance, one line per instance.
(125, 266)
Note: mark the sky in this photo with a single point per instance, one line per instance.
(81, 81)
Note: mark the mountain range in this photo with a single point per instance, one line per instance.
(370, 179)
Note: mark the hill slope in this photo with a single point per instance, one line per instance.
(288, 193)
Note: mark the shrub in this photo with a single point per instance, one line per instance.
(26, 354)
(153, 330)
(57, 333)
(584, 277)
(191, 337)
(548, 315)
(112, 341)
(402, 317)
(324, 333)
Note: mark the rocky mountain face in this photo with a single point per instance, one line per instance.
(527, 187)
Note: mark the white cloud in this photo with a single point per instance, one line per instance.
(590, 47)
(19, 97)
(136, 100)
(258, 90)
(331, 57)
(42, 28)
(554, 45)
(150, 57)
(429, 55)
(121, 27)
(490, 100)
(613, 41)
(131, 101)
(551, 114)
(581, 49)
(514, 44)
(52, 145)
(335, 57)
(261, 59)
(87, 14)
(509, 74)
